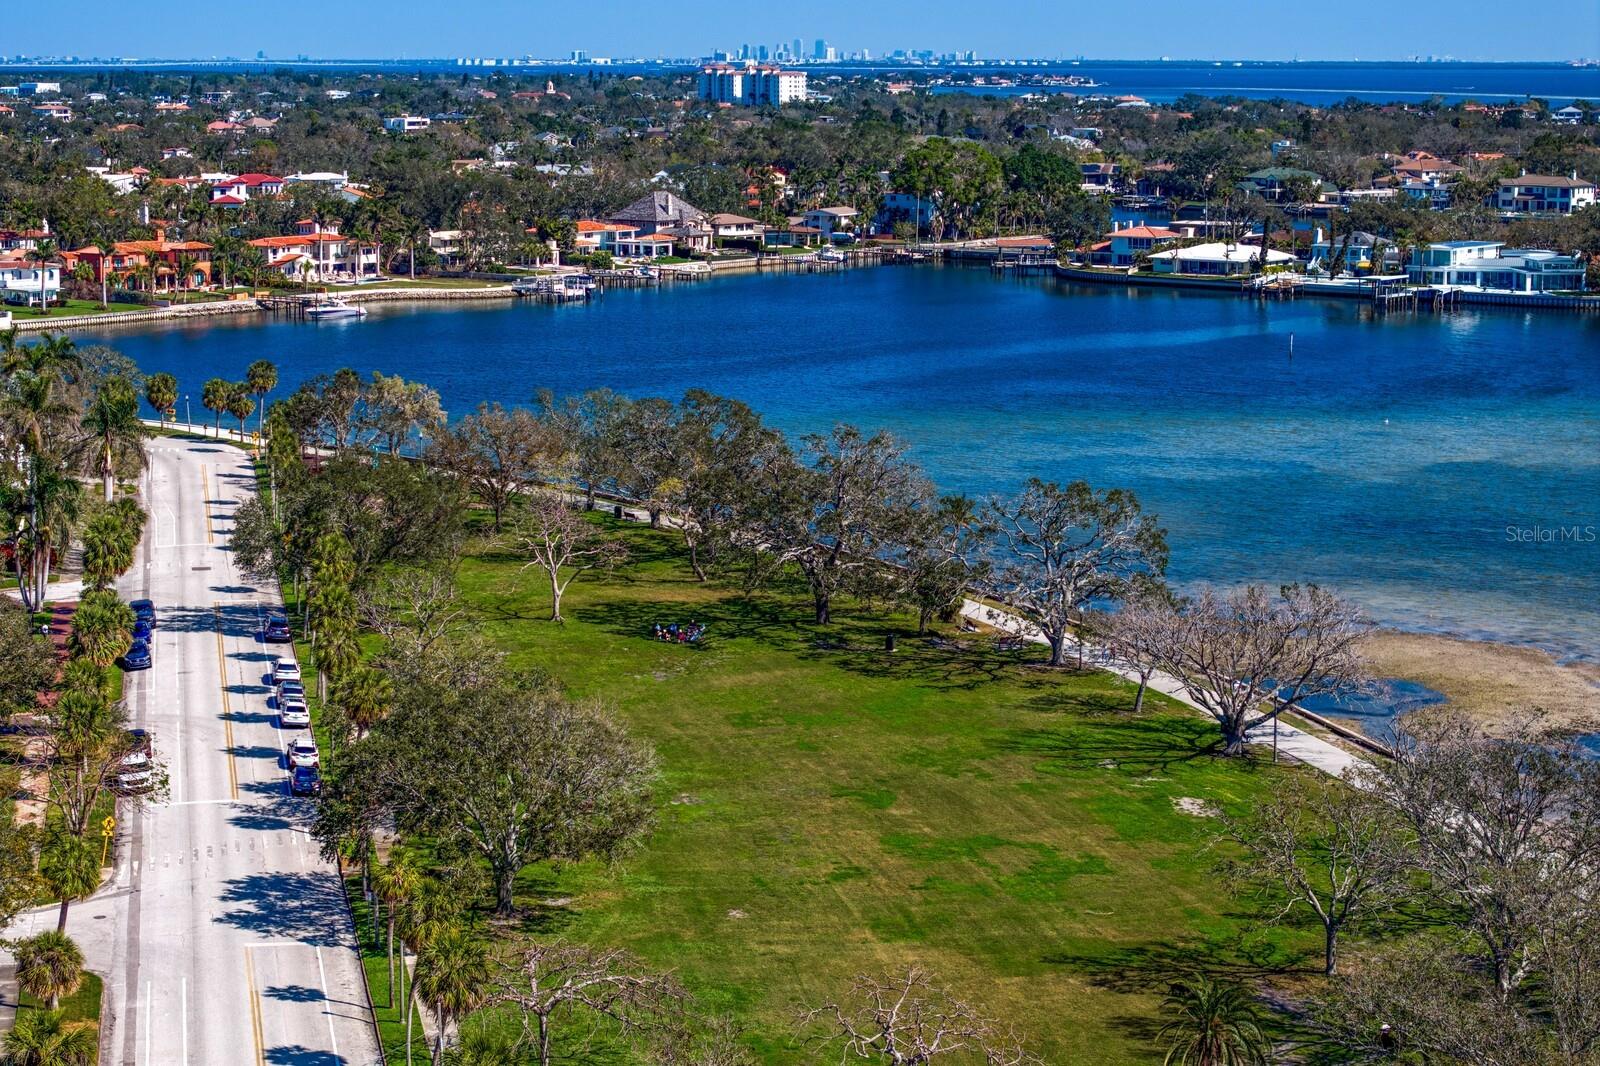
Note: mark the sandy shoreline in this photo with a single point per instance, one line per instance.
(1492, 682)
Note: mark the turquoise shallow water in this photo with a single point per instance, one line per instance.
(1424, 464)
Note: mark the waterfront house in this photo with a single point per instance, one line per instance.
(1123, 247)
(832, 221)
(1354, 251)
(1491, 265)
(596, 236)
(156, 263)
(644, 246)
(1219, 259)
(1571, 115)
(1276, 183)
(793, 234)
(660, 210)
(1417, 164)
(1544, 194)
(27, 281)
(320, 253)
(728, 226)
(447, 244)
(1099, 177)
(904, 207)
(58, 111)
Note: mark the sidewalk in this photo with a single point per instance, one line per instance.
(1311, 750)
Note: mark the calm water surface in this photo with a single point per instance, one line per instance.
(1427, 465)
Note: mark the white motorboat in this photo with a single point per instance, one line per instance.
(334, 308)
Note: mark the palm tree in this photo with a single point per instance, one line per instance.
(107, 250)
(49, 966)
(452, 976)
(113, 435)
(40, 255)
(70, 869)
(395, 882)
(430, 913)
(102, 628)
(240, 405)
(482, 1047)
(109, 543)
(214, 398)
(52, 505)
(260, 378)
(186, 266)
(161, 392)
(41, 1038)
(1214, 1023)
(366, 696)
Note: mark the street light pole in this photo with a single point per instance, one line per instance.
(188, 417)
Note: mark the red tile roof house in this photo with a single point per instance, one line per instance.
(1123, 247)
(247, 186)
(165, 257)
(331, 254)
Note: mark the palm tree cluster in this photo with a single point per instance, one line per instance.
(240, 399)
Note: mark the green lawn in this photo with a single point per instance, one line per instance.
(70, 308)
(82, 1006)
(828, 808)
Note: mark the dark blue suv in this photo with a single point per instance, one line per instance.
(276, 631)
(137, 656)
(305, 781)
(144, 611)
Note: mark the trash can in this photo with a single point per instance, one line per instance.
(617, 510)
(888, 642)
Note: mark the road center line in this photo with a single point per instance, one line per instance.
(183, 1008)
(227, 709)
(205, 502)
(327, 1009)
(255, 1006)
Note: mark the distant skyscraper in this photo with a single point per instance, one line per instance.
(744, 51)
(821, 50)
(761, 53)
(799, 48)
(580, 56)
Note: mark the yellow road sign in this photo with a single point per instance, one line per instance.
(107, 826)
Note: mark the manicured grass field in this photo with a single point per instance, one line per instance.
(828, 808)
(71, 308)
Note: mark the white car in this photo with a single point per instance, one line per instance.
(302, 751)
(285, 669)
(294, 714)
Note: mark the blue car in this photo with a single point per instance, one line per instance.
(142, 630)
(276, 631)
(305, 781)
(144, 611)
(137, 657)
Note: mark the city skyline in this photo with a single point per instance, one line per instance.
(1019, 29)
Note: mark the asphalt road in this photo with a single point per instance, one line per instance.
(224, 934)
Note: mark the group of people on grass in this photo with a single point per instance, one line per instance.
(676, 634)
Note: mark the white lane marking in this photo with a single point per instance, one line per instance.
(184, 994)
(147, 1023)
(327, 1009)
(200, 803)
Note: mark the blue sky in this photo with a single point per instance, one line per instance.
(1140, 29)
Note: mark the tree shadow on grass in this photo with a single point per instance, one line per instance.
(1140, 745)
(1153, 967)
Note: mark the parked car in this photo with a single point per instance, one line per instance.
(144, 611)
(302, 751)
(137, 772)
(294, 714)
(305, 781)
(142, 630)
(276, 630)
(285, 669)
(137, 656)
(291, 690)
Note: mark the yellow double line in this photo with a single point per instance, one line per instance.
(255, 1006)
(227, 705)
(205, 503)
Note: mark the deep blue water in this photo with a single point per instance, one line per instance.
(1325, 83)
(1392, 457)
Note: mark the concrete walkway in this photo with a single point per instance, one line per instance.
(1303, 746)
